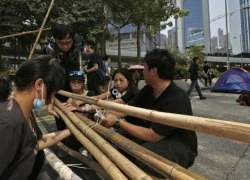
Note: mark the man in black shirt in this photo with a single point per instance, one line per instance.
(194, 74)
(161, 94)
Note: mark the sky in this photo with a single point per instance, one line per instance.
(216, 9)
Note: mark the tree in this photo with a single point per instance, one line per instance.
(25, 15)
(193, 52)
(118, 14)
(155, 18)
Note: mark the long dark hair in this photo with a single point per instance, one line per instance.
(45, 67)
(5, 88)
(128, 76)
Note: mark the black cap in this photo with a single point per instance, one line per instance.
(73, 75)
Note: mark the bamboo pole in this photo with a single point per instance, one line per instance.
(23, 33)
(221, 128)
(91, 163)
(108, 165)
(40, 31)
(62, 170)
(130, 169)
(156, 162)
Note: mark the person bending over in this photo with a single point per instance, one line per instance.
(36, 81)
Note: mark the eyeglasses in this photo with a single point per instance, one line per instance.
(64, 43)
(75, 73)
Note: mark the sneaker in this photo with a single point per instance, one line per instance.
(203, 98)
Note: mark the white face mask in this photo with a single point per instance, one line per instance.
(38, 103)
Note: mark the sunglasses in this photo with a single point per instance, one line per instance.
(75, 73)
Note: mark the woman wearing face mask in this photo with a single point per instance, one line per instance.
(36, 82)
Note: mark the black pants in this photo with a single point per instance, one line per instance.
(93, 83)
(172, 150)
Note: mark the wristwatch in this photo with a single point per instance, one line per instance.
(117, 123)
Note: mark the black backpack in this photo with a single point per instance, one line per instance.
(244, 99)
(101, 69)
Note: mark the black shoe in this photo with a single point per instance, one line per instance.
(203, 97)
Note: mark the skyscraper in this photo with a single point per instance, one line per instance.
(193, 23)
(194, 29)
(245, 24)
(221, 39)
(239, 25)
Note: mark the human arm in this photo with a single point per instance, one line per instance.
(50, 139)
(201, 73)
(139, 132)
(103, 96)
(94, 68)
(50, 108)
(120, 101)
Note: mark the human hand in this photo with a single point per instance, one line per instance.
(50, 109)
(108, 121)
(69, 107)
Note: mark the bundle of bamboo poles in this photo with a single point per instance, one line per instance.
(221, 128)
(115, 164)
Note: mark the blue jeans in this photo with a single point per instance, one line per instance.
(194, 84)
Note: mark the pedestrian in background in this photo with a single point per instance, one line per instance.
(206, 68)
(195, 73)
(93, 79)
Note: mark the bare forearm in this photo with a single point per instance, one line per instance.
(139, 132)
(50, 139)
(104, 95)
(94, 68)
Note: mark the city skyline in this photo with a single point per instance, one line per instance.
(217, 14)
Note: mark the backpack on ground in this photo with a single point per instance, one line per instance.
(101, 69)
(244, 99)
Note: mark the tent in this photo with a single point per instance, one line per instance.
(233, 80)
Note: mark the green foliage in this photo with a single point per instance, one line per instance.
(193, 52)
(181, 71)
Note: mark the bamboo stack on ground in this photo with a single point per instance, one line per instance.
(105, 162)
(156, 162)
(86, 160)
(221, 128)
(130, 169)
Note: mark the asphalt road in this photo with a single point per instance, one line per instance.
(218, 158)
(221, 158)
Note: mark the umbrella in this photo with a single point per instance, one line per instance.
(136, 66)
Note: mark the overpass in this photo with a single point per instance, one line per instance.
(130, 56)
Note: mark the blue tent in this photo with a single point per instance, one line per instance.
(233, 80)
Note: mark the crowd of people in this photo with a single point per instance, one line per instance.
(38, 80)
